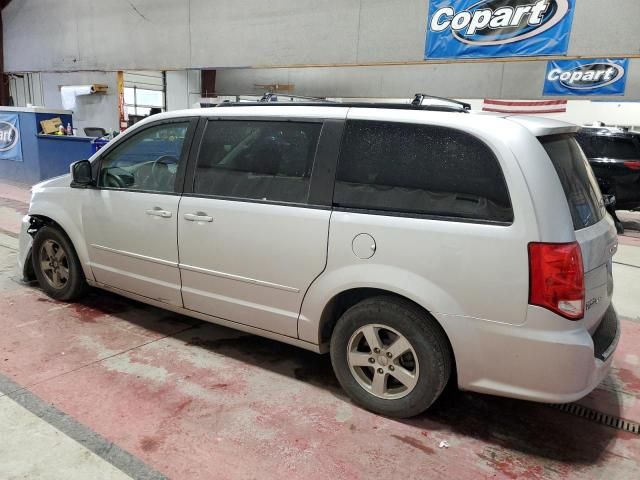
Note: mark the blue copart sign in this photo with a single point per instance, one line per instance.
(598, 76)
(498, 28)
(10, 143)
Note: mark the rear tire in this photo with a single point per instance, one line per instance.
(56, 265)
(390, 356)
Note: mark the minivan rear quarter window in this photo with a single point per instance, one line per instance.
(577, 179)
(420, 169)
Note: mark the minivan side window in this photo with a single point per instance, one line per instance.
(420, 169)
(147, 161)
(260, 160)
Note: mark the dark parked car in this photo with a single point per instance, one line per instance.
(614, 155)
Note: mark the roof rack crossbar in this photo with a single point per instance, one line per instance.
(419, 97)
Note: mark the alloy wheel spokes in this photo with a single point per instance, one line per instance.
(399, 347)
(360, 359)
(404, 376)
(371, 335)
(379, 383)
(54, 264)
(63, 273)
(383, 361)
(60, 255)
(48, 248)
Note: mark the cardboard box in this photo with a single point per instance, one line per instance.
(50, 126)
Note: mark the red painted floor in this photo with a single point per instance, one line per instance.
(619, 394)
(15, 191)
(201, 401)
(14, 203)
(630, 238)
(198, 401)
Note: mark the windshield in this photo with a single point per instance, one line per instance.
(577, 178)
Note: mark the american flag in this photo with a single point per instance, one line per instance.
(531, 107)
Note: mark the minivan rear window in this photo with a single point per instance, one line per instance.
(577, 179)
(428, 170)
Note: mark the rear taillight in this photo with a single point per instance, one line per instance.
(556, 278)
(633, 165)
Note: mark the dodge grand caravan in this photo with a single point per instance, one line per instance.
(412, 243)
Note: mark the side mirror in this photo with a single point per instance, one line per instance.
(81, 174)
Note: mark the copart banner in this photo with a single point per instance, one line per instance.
(498, 28)
(598, 76)
(10, 144)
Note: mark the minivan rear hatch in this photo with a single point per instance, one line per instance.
(595, 231)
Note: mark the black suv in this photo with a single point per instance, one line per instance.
(614, 155)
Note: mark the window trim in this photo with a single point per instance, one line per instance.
(422, 216)
(321, 160)
(256, 200)
(425, 216)
(187, 146)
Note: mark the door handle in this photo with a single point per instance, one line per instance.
(158, 212)
(198, 217)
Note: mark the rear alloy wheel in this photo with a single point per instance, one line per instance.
(390, 356)
(383, 361)
(56, 265)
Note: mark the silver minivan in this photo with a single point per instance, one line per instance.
(415, 244)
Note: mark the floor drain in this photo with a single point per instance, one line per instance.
(598, 417)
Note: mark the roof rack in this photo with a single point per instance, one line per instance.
(271, 99)
(388, 106)
(274, 97)
(419, 97)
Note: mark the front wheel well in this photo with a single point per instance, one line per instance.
(39, 221)
(36, 222)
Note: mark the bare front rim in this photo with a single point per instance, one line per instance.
(54, 264)
(383, 361)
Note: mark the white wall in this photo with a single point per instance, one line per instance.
(515, 80)
(183, 89)
(612, 113)
(583, 112)
(97, 110)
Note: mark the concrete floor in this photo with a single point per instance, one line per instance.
(110, 388)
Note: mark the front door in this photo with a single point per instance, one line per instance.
(130, 220)
(250, 242)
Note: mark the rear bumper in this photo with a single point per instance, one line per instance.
(606, 337)
(537, 361)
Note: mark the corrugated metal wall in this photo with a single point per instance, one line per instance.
(176, 34)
